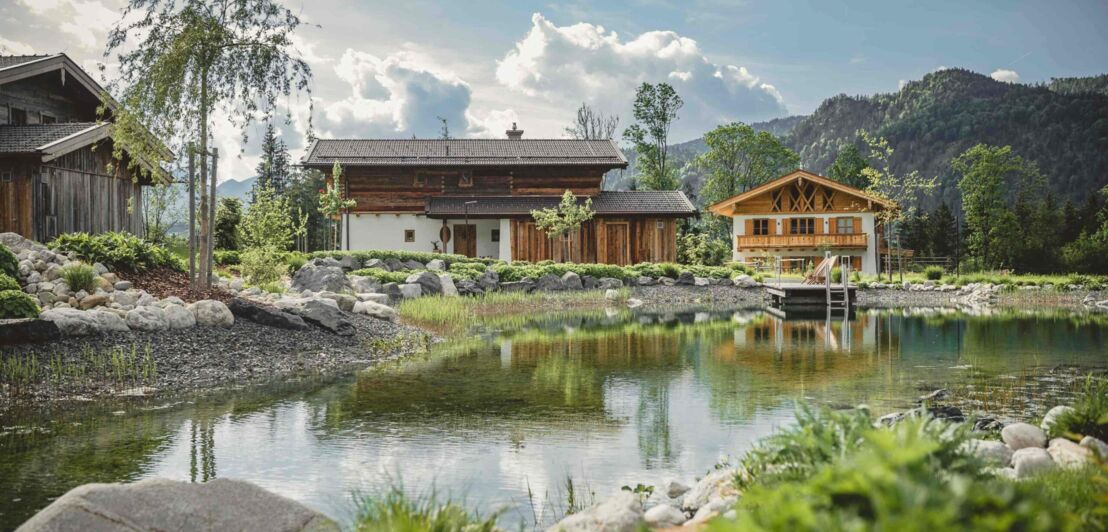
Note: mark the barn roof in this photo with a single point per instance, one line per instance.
(48, 138)
(668, 203)
(465, 152)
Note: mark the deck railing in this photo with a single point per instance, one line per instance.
(851, 240)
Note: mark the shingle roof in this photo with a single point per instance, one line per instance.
(12, 60)
(626, 202)
(465, 152)
(28, 139)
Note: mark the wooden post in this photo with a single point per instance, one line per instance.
(192, 219)
(211, 218)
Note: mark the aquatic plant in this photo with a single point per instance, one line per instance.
(1089, 416)
(455, 314)
(399, 512)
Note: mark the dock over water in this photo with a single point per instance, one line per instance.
(807, 295)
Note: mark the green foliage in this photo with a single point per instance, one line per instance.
(703, 248)
(564, 220)
(295, 261)
(8, 283)
(739, 158)
(116, 251)
(904, 189)
(228, 216)
(848, 168)
(79, 276)
(518, 270)
(227, 257)
(655, 109)
(466, 270)
(9, 264)
(333, 202)
(303, 194)
(933, 273)
(263, 265)
(267, 222)
(16, 304)
(1083, 492)
(403, 256)
(396, 511)
(384, 276)
(273, 169)
(1089, 416)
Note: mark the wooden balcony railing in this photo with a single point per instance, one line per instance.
(855, 240)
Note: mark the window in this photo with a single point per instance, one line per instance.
(409, 235)
(6, 176)
(844, 226)
(761, 226)
(802, 226)
(465, 179)
(495, 235)
(420, 180)
(47, 119)
(19, 117)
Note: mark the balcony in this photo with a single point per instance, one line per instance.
(768, 242)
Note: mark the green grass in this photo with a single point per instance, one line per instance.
(1090, 282)
(1089, 416)
(120, 366)
(396, 511)
(457, 314)
(79, 276)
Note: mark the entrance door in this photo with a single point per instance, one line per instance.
(617, 247)
(15, 205)
(465, 240)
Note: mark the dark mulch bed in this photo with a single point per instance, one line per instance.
(164, 282)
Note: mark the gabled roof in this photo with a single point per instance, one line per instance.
(17, 67)
(720, 207)
(666, 203)
(13, 60)
(35, 138)
(465, 152)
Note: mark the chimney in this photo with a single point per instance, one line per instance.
(514, 133)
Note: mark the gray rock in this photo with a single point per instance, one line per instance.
(410, 290)
(148, 318)
(991, 451)
(489, 281)
(645, 281)
(109, 320)
(1022, 435)
(588, 282)
(1029, 461)
(377, 264)
(17, 244)
(1051, 417)
(611, 294)
(236, 284)
(719, 484)
(171, 300)
(47, 298)
(700, 281)
(160, 504)
(100, 269)
(936, 395)
(52, 272)
(428, 282)
(620, 513)
(517, 286)
(686, 278)
(1095, 445)
(28, 330)
(468, 288)
(94, 300)
(1068, 454)
(376, 310)
(667, 281)
(326, 316)
(374, 297)
(178, 317)
(604, 283)
(675, 489)
(713, 508)
(72, 322)
(126, 299)
(265, 315)
(122, 285)
(572, 281)
(145, 299)
(394, 265)
(319, 278)
(449, 289)
(346, 302)
(392, 290)
(363, 285)
(634, 303)
(549, 283)
(664, 516)
(413, 265)
(212, 313)
(744, 281)
(348, 263)
(436, 265)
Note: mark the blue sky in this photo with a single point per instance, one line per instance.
(389, 69)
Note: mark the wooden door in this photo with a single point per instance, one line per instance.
(616, 243)
(465, 240)
(15, 206)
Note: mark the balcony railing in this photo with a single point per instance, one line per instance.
(855, 240)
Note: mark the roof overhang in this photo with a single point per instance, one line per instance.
(722, 208)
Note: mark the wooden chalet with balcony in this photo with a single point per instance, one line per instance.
(802, 215)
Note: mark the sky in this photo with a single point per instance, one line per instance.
(392, 69)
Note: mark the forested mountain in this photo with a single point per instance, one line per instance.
(1062, 126)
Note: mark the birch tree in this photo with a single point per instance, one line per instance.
(564, 220)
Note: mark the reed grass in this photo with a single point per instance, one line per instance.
(118, 365)
(457, 314)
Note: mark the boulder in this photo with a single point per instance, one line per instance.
(645, 281)
(160, 504)
(125, 298)
(413, 265)
(394, 265)
(667, 281)
(122, 285)
(1067, 454)
(718, 484)
(265, 315)
(664, 516)
(701, 281)
(517, 286)
(145, 299)
(686, 278)
(468, 288)
(1095, 445)
(46, 298)
(410, 290)
(1022, 435)
(319, 278)
(345, 301)
(348, 263)
(376, 264)
(1051, 416)
(72, 322)
(374, 297)
(588, 282)
(611, 294)
(94, 300)
(676, 488)
(392, 290)
(148, 318)
(549, 283)
(991, 451)
(489, 281)
(364, 284)
(17, 244)
(713, 508)
(102, 284)
(212, 313)
(605, 283)
(429, 283)
(376, 310)
(108, 320)
(436, 265)
(1029, 461)
(178, 317)
(620, 513)
(28, 330)
(449, 289)
(326, 316)
(744, 281)
(572, 281)
(171, 300)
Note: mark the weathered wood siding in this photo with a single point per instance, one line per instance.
(47, 95)
(606, 240)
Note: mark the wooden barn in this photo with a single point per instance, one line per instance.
(56, 169)
(475, 196)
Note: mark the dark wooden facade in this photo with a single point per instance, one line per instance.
(606, 240)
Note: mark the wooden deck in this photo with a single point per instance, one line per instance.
(803, 295)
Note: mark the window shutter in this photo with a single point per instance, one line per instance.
(749, 227)
(857, 225)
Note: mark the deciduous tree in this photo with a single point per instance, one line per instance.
(848, 166)
(590, 124)
(655, 110)
(987, 174)
(739, 158)
(564, 220)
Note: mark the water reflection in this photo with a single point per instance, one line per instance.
(610, 398)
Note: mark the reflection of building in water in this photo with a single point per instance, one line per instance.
(835, 333)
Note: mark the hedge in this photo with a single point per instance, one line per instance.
(8, 282)
(9, 265)
(15, 304)
(383, 276)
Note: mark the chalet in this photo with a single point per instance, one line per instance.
(475, 196)
(56, 170)
(802, 215)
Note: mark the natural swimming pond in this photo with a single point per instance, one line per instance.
(503, 418)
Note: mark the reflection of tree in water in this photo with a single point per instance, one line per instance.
(201, 449)
(656, 445)
(571, 378)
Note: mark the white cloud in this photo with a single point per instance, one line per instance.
(1007, 76)
(8, 46)
(85, 20)
(584, 62)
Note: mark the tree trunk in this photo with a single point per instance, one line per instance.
(205, 227)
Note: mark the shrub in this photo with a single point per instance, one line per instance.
(1089, 416)
(383, 275)
(227, 257)
(79, 277)
(15, 304)
(261, 266)
(295, 261)
(116, 251)
(7, 282)
(267, 222)
(466, 270)
(836, 275)
(933, 273)
(397, 511)
(228, 216)
(9, 264)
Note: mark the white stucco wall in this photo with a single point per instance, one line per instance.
(386, 231)
(505, 239)
(779, 227)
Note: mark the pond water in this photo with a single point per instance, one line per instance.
(502, 419)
